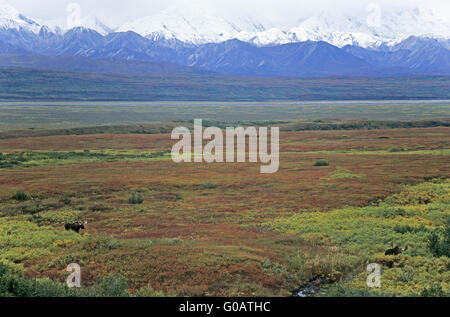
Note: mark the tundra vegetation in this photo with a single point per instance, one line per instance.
(156, 228)
(53, 85)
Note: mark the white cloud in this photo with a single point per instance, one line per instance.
(282, 13)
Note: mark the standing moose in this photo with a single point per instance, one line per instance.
(77, 226)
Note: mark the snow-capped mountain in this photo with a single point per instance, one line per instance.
(193, 23)
(10, 18)
(341, 30)
(198, 24)
(391, 26)
(336, 30)
(91, 22)
(272, 36)
(322, 45)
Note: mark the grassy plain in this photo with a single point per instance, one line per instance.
(49, 85)
(225, 229)
(111, 117)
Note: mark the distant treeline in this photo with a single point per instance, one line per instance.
(365, 125)
(286, 126)
(42, 85)
(151, 128)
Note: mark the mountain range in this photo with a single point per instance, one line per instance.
(198, 23)
(194, 40)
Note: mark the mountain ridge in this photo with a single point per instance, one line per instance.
(198, 22)
(413, 55)
(95, 65)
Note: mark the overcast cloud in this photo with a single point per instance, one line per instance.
(281, 12)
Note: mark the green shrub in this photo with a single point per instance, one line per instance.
(20, 196)
(14, 284)
(321, 163)
(33, 207)
(341, 290)
(208, 186)
(111, 286)
(17, 285)
(149, 292)
(397, 150)
(135, 199)
(175, 241)
(56, 217)
(66, 201)
(98, 208)
(414, 197)
(100, 243)
(434, 290)
(439, 241)
(401, 228)
(406, 275)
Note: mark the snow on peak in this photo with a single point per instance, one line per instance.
(94, 23)
(193, 22)
(199, 22)
(339, 30)
(187, 25)
(11, 18)
(265, 38)
(392, 25)
(90, 22)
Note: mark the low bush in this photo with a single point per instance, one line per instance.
(208, 186)
(174, 241)
(397, 150)
(20, 196)
(341, 290)
(135, 199)
(439, 241)
(14, 284)
(434, 290)
(66, 201)
(149, 292)
(98, 208)
(100, 244)
(111, 286)
(403, 229)
(321, 163)
(17, 285)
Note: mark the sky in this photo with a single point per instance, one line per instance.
(282, 13)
